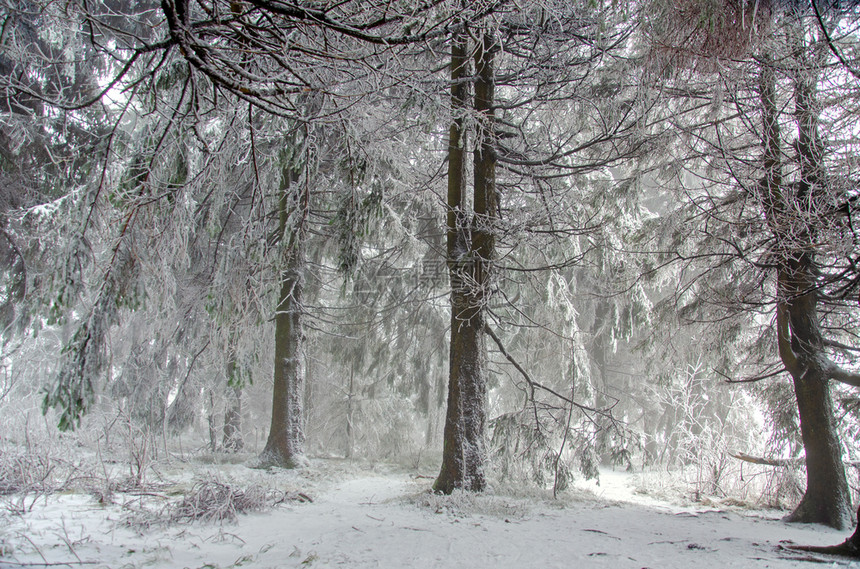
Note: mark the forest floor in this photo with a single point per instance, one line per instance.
(340, 514)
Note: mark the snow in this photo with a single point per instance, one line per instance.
(365, 516)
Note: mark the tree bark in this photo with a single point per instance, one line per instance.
(452, 474)
(470, 252)
(827, 499)
(800, 342)
(285, 445)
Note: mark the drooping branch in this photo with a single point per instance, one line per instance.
(767, 461)
(537, 385)
(755, 378)
(777, 461)
(829, 40)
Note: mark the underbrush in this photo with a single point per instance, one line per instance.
(211, 499)
(118, 467)
(147, 496)
(737, 484)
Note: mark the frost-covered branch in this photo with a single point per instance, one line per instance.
(537, 385)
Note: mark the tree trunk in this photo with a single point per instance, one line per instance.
(285, 445)
(827, 499)
(452, 474)
(470, 251)
(851, 546)
(801, 345)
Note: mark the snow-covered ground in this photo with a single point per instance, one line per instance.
(363, 517)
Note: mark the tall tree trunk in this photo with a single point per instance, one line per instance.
(827, 499)
(452, 474)
(470, 250)
(801, 345)
(285, 445)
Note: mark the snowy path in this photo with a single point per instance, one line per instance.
(388, 520)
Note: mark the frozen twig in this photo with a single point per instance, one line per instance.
(534, 384)
(213, 500)
(46, 563)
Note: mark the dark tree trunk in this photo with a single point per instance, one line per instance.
(827, 499)
(851, 546)
(452, 474)
(285, 445)
(470, 250)
(800, 342)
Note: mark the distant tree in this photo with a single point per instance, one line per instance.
(285, 445)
